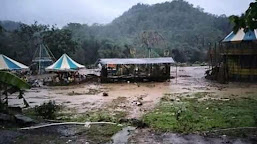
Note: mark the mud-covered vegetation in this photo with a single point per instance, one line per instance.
(47, 110)
(96, 133)
(195, 113)
(93, 116)
(68, 134)
(51, 111)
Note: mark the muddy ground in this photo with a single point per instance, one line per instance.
(88, 97)
(149, 137)
(124, 97)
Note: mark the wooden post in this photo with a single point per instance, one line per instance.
(39, 63)
(176, 73)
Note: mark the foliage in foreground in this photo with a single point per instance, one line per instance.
(9, 84)
(246, 20)
(191, 115)
(11, 79)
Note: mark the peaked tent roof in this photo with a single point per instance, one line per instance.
(64, 63)
(167, 60)
(7, 63)
(240, 35)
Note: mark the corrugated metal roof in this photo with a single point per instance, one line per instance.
(163, 60)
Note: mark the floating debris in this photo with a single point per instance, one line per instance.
(105, 94)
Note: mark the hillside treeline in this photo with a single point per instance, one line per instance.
(174, 29)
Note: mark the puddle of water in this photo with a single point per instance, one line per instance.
(122, 136)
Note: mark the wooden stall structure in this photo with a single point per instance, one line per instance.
(135, 69)
(236, 56)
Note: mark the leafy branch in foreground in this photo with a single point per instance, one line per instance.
(10, 84)
(248, 20)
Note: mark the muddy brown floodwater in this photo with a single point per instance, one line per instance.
(125, 97)
(88, 97)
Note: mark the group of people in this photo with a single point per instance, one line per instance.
(65, 78)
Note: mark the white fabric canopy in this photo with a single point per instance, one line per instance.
(65, 63)
(7, 63)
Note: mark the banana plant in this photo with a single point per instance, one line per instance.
(9, 84)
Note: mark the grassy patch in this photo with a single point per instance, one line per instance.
(101, 133)
(70, 115)
(96, 116)
(95, 134)
(190, 115)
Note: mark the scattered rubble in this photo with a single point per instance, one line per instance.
(184, 76)
(138, 103)
(105, 94)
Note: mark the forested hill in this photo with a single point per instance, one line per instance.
(170, 29)
(10, 25)
(187, 30)
(174, 18)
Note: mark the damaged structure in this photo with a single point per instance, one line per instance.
(235, 58)
(135, 69)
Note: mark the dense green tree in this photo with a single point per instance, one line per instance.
(90, 49)
(1, 29)
(22, 43)
(59, 41)
(248, 20)
(109, 49)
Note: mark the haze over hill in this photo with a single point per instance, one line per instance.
(61, 12)
(185, 31)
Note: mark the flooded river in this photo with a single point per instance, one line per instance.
(89, 96)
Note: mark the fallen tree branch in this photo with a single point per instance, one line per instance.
(86, 124)
(227, 129)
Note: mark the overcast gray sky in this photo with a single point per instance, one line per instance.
(61, 12)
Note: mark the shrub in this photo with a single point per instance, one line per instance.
(47, 110)
(1, 106)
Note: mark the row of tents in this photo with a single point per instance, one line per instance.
(64, 63)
